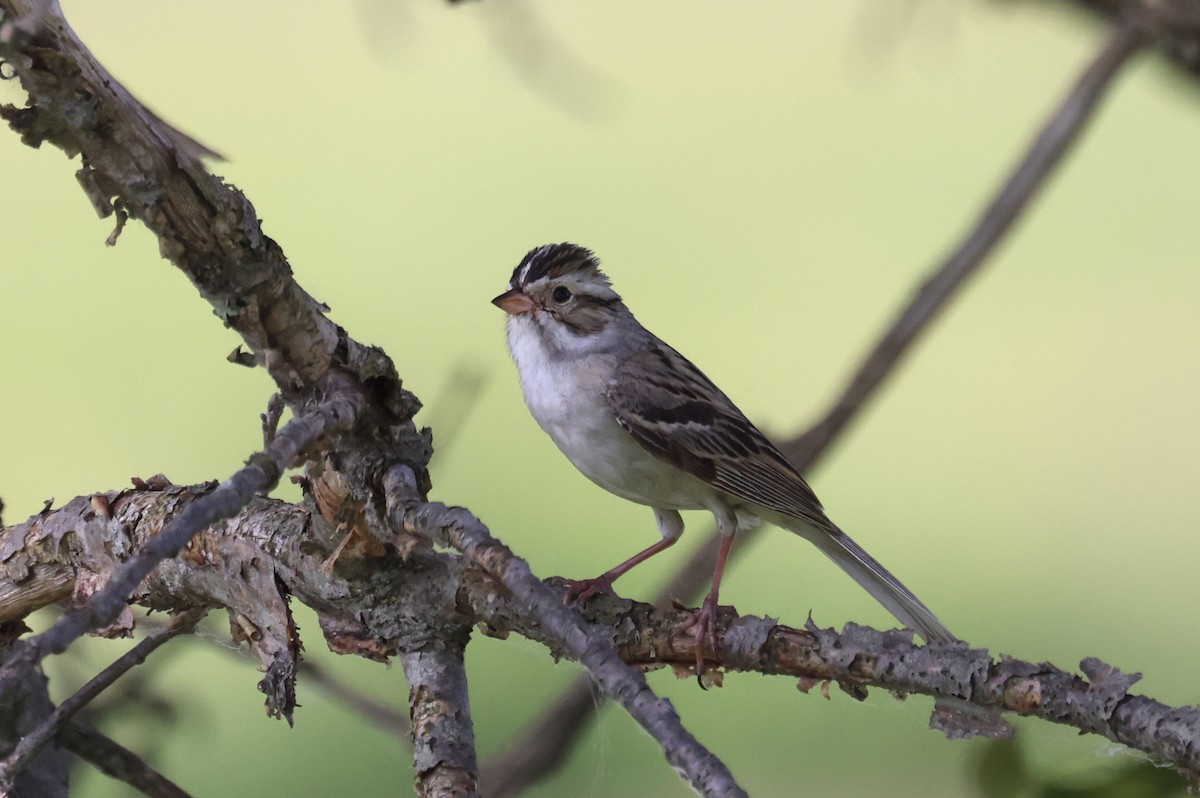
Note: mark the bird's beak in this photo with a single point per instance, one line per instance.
(514, 302)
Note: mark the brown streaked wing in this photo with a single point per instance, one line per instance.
(678, 415)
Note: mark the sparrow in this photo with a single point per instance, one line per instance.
(642, 422)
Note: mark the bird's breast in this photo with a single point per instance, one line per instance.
(566, 396)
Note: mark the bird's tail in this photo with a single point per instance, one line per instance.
(876, 580)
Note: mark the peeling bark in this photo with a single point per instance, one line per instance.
(250, 564)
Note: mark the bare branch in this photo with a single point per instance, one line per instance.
(246, 565)
(139, 165)
(291, 545)
(443, 738)
(295, 544)
(116, 761)
(1173, 25)
(33, 742)
(136, 163)
(457, 528)
(859, 657)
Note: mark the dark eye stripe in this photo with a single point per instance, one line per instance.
(588, 314)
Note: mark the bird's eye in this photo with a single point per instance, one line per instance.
(561, 294)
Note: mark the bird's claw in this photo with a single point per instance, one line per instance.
(703, 625)
(583, 589)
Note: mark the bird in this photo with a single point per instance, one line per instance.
(641, 421)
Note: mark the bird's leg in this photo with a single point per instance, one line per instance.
(585, 588)
(704, 621)
(670, 526)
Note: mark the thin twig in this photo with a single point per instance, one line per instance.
(270, 419)
(508, 775)
(117, 761)
(32, 743)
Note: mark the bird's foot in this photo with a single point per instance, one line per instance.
(583, 589)
(703, 625)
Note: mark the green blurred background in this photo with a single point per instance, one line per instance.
(766, 183)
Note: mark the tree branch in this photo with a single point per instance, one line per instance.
(296, 543)
(443, 738)
(248, 565)
(647, 636)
